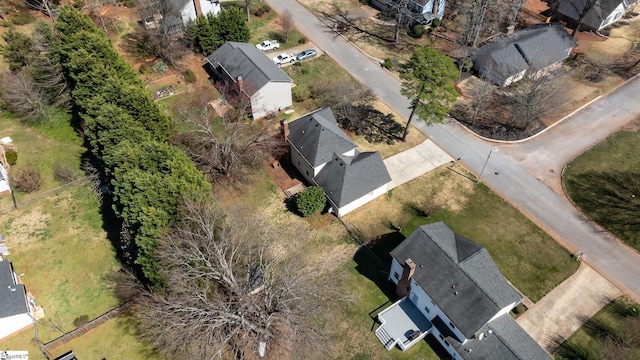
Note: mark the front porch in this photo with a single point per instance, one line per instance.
(402, 324)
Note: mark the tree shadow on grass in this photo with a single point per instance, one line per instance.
(373, 262)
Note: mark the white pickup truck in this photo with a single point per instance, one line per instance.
(268, 45)
(284, 58)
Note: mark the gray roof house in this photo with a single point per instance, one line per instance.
(245, 70)
(602, 14)
(535, 49)
(452, 289)
(15, 313)
(328, 158)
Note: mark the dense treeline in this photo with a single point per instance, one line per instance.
(128, 135)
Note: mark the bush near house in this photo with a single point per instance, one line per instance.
(311, 201)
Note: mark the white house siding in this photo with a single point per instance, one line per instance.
(273, 97)
(208, 6)
(420, 298)
(361, 201)
(12, 324)
(504, 310)
(188, 12)
(301, 164)
(614, 16)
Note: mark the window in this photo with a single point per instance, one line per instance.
(396, 275)
(441, 337)
(426, 308)
(451, 324)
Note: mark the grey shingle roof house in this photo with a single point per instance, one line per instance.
(601, 15)
(246, 70)
(327, 157)
(454, 285)
(540, 47)
(14, 307)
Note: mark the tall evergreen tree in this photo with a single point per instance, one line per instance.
(427, 80)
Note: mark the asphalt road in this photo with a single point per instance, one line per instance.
(615, 261)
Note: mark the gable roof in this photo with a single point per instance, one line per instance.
(12, 295)
(458, 274)
(246, 61)
(317, 137)
(599, 12)
(535, 47)
(502, 339)
(348, 178)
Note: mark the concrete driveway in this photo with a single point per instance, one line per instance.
(418, 160)
(559, 314)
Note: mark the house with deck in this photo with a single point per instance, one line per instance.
(451, 289)
(328, 158)
(534, 51)
(242, 70)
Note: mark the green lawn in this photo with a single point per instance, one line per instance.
(613, 333)
(56, 238)
(529, 258)
(351, 323)
(604, 183)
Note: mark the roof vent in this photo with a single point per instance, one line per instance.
(453, 286)
(490, 331)
(455, 293)
(481, 337)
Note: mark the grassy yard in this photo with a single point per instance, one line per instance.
(613, 333)
(56, 237)
(603, 183)
(530, 259)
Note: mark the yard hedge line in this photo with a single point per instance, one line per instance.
(128, 135)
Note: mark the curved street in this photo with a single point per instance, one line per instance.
(518, 172)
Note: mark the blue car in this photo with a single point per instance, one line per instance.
(306, 54)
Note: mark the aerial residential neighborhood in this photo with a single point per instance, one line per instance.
(295, 179)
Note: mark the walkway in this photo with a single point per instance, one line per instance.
(559, 314)
(418, 160)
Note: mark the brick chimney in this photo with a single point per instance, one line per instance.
(284, 129)
(404, 284)
(240, 83)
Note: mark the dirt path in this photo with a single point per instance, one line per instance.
(559, 314)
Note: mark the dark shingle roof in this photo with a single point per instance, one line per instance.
(536, 46)
(458, 274)
(248, 62)
(348, 178)
(600, 11)
(506, 341)
(317, 136)
(12, 298)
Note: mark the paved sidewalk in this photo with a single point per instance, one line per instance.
(418, 160)
(559, 314)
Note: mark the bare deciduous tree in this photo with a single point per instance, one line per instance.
(223, 145)
(228, 289)
(533, 97)
(23, 97)
(287, 24)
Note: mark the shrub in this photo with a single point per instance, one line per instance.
(159, 67)
(311, 201)
(302, 40)
(144, 69)
(63, 173)
(190, 76)
(387, 64)
(300, 94)
(12, 157)
(418, 31)
(81, 320)
(465, 64)
(27, 180)
(266, 9)
(436, 22)
(23, 18)
(259, 12)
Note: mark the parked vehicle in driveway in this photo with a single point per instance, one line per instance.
(284, 58)
(268, 45)
(306, 54)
